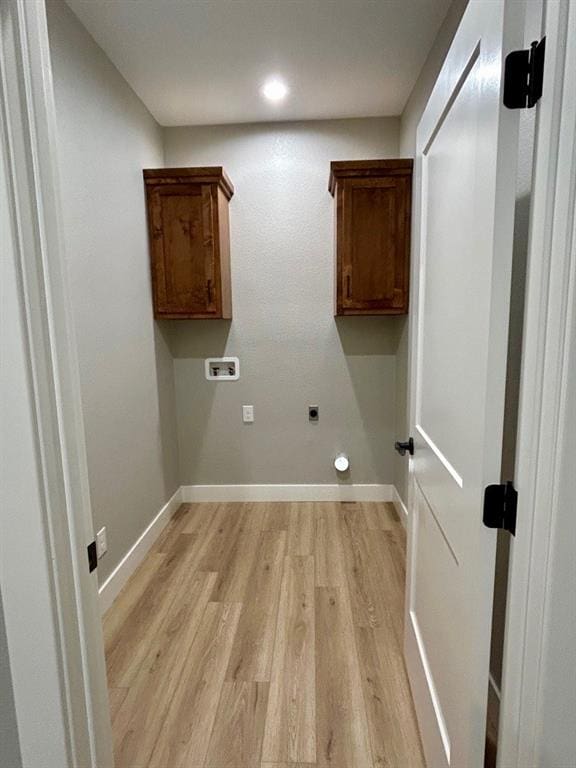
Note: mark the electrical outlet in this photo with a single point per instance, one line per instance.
(247, 414)
(101, 543)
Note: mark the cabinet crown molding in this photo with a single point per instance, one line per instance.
(347, 169)
(210, 174)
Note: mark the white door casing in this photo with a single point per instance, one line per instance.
(539, 671)
(464, 211)
(53, 625)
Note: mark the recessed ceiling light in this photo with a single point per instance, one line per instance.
(274, 89)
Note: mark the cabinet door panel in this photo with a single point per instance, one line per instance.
(184, 219)
(374, 254)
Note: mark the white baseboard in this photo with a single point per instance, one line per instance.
(110, 589)
(400, 508)
(360, 492)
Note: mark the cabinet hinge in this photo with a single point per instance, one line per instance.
(523, 76)
(500, 502)
(92, 556)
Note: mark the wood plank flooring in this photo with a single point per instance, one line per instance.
(265, 635)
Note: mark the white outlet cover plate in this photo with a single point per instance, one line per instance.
(101, 543)
(210, 361)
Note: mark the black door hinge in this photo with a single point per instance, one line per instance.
(92, 556)
(523, 76)
(500, 502)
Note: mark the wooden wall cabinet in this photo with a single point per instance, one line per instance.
(372, 235)
(189, 242)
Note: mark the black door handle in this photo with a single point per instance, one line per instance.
(403, 447)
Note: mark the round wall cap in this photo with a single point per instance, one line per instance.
(341, 462)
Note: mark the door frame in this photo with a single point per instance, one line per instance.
(543, 409)
(52, 559)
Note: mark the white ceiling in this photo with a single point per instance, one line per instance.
(202, 62)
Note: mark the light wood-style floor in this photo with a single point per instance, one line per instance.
(265, 636)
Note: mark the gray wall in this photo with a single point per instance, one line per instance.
(292, 351)
(408, 125)
(106, 137)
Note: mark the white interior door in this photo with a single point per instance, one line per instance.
(466, 169)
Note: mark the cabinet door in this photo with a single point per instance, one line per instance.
(184, 268)
(374, 246)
